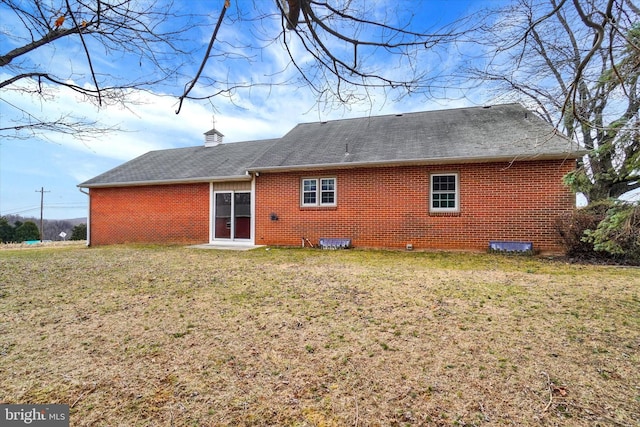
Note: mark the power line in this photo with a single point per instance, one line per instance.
(16, 211)
(20, 210)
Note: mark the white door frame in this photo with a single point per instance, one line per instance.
(212, 220)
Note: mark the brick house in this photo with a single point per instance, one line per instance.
(448, 179)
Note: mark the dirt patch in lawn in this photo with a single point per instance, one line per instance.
(177, 336)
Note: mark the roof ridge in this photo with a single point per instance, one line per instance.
(193, 147)
(412, 112)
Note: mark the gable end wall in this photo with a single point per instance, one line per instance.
(150, 214)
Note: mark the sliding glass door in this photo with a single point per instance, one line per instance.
(232, 215)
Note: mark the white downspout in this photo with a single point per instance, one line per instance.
(88, 216)
(212, 218)
(253, 208)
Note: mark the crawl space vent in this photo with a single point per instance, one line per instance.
(522, 247)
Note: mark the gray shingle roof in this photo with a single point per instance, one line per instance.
(503, 132)
(192, 164)
(467, 134)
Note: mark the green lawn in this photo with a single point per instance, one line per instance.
(137, 336)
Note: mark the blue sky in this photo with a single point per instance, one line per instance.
(59, 163)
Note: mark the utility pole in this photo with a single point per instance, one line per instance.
(41, 191)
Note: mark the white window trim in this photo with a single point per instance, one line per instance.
(302, 203)
(457, 193)
(212, 217)
(318, 202)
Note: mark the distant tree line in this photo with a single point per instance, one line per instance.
(15, 228)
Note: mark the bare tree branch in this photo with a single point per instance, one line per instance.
(121, 30)
(214, 35)
(578, 65)
(50, 37)
(86, 51)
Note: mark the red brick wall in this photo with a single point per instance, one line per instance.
(150, 214)
(389, 207)
(376, 207)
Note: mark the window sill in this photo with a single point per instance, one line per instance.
(456, 213)
(318, 208)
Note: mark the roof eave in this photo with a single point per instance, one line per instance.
(246, 177)
(413, 162)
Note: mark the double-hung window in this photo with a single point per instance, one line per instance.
(318, 192)
(444, 193)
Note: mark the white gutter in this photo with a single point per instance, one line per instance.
(416, 162)
(169, 181)
(88, 216)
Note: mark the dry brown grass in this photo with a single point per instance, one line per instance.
(137, 336)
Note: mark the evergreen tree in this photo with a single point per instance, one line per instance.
(7, 232)
(27, 231)
(79, 232)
